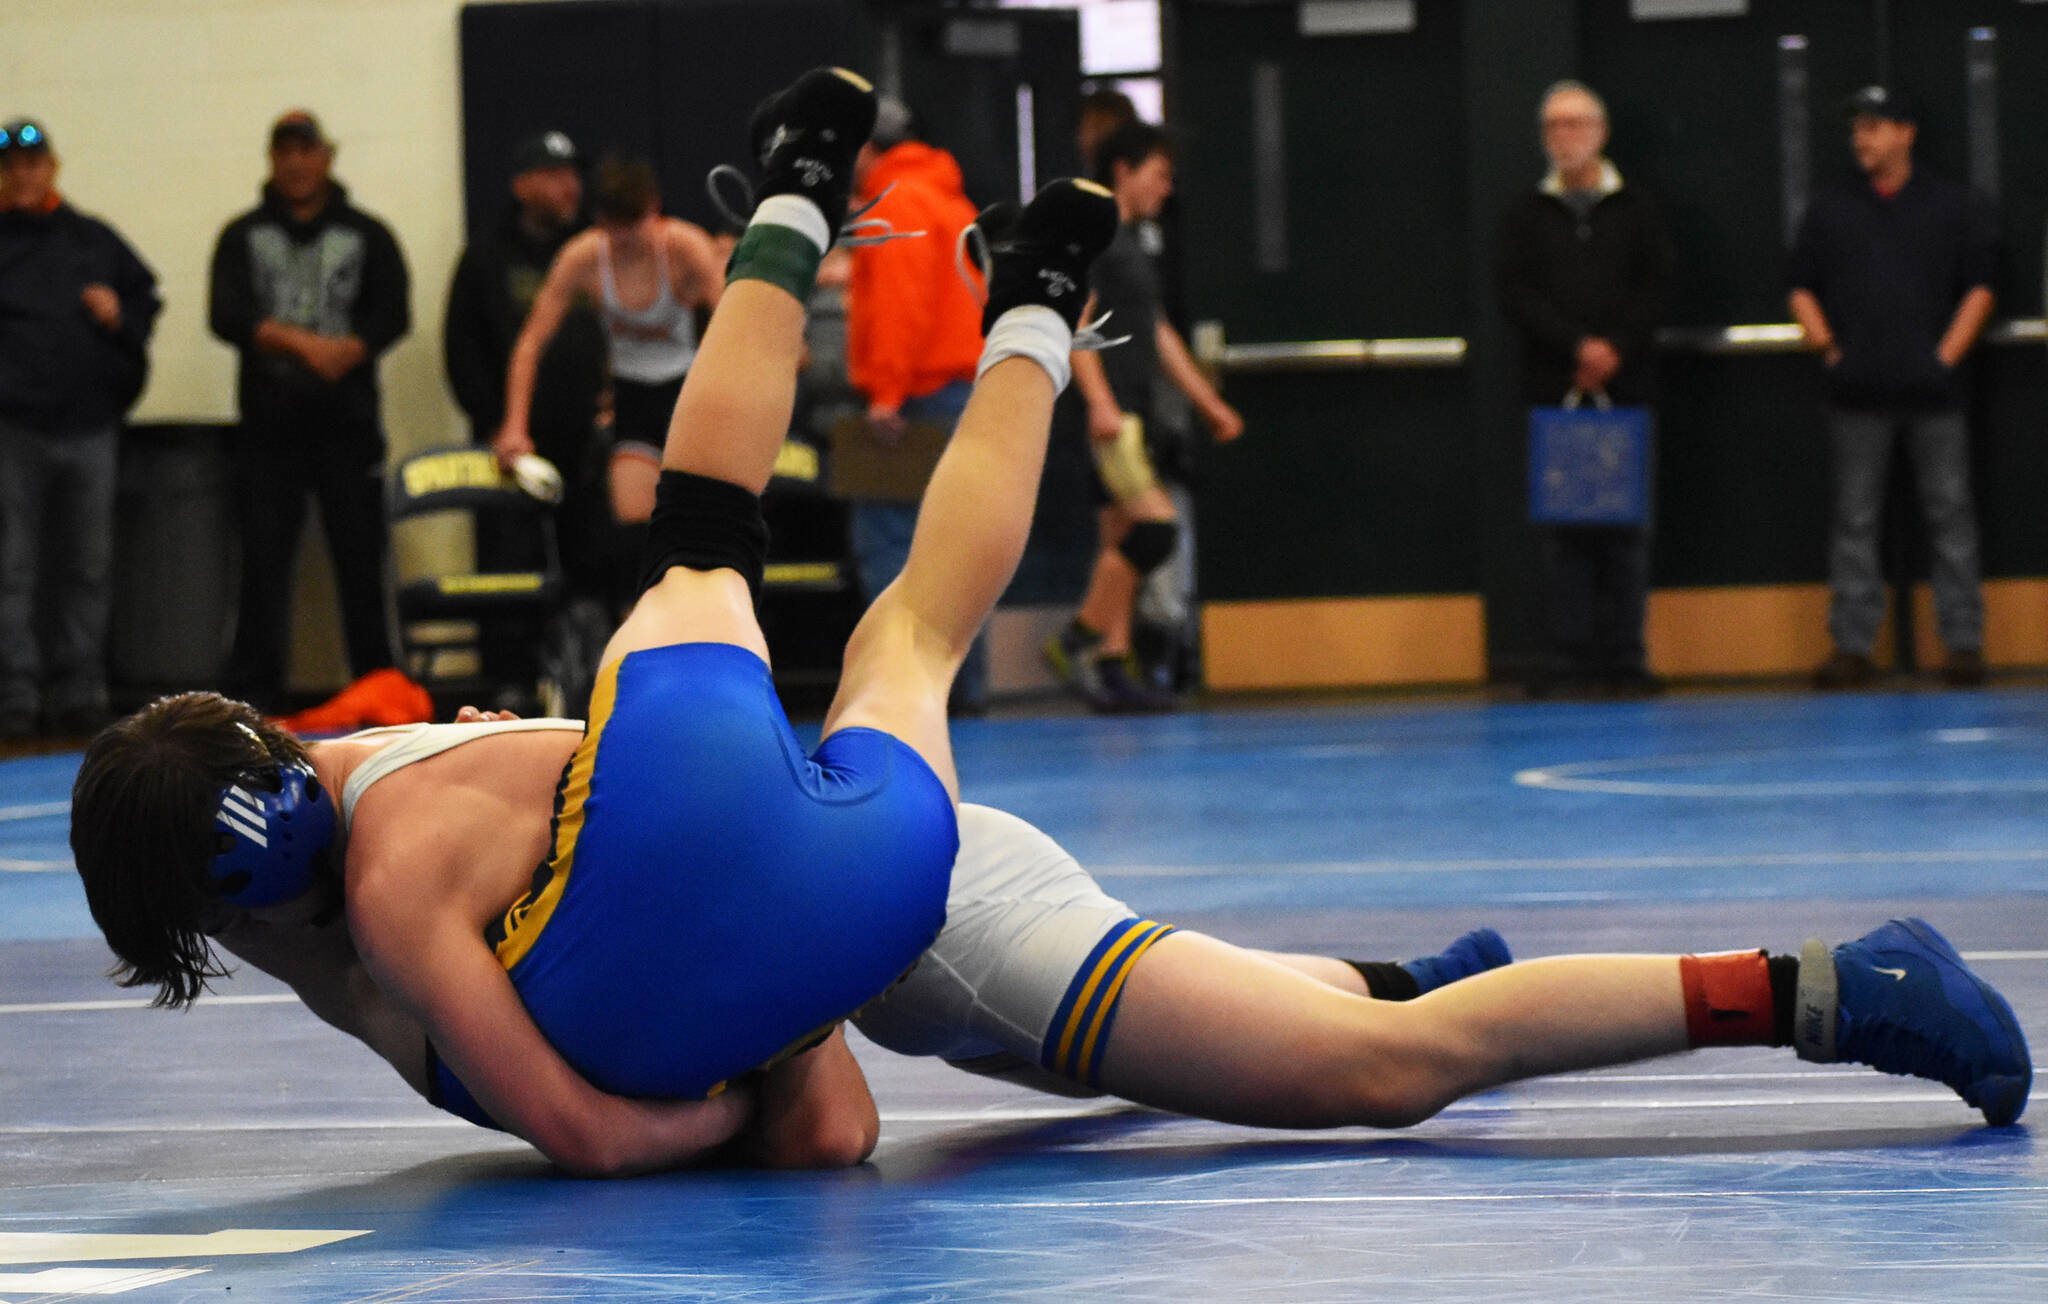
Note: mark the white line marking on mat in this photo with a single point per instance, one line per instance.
(51, 1247)
(1576, 776)
(1538, 863)
(54, 1283)
(1228, 1201)
(33, 866)
(73, 1007)
(34, 811)
(282, 1125)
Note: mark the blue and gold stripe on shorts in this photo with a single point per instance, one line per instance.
(1080, 1027)
(513, 934)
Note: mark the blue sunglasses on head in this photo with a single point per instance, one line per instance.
(25, 136)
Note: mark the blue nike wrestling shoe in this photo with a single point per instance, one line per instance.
(1902, 1001)
(1475, 952)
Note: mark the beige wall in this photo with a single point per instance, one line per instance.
(159, 110)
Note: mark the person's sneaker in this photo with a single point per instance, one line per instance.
(1120, 690)
(805, 137)
(1902, 1001)
(1040, 254)
(1963, 669)
(1475, 952)
(1845, 670)
(1070, 654)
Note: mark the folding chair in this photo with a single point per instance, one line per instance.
(448, 622)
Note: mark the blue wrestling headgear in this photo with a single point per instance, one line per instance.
(272, 830)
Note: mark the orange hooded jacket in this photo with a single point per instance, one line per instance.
(911, 325)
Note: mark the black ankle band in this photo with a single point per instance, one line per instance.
(1387, 981)
(1784, 996)
(706, 524)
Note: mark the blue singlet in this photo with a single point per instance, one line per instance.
(715, 898)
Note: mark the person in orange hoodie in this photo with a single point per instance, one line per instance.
(913, 338)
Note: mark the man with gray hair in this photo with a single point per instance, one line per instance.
(1584, 273)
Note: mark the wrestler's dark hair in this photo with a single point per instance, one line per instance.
(142, 831)
(1130, 145)
(1106, 102)
(624, 190)
(1102, 111)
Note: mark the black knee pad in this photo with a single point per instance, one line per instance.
(705, 523)
(1148, 544)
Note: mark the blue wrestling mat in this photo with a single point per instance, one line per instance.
(243, 1147)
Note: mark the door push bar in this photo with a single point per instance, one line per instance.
(1213, 352)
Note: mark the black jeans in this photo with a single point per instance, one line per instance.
(278, 466)
(1599, 582)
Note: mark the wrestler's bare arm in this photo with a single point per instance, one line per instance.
(814, 1111)
(698, 268)
(430, 956)
(573, 273)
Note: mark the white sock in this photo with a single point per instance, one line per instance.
(1036, 332)
(798, 214)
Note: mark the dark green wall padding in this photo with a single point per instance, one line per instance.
(1401, 152)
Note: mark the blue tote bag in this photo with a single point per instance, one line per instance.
(1589, 465)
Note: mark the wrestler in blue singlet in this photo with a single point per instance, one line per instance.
(714, 898)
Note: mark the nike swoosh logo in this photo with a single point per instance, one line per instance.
(1899, 974)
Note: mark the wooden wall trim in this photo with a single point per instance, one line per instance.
(1341, 642)
(1704, 633)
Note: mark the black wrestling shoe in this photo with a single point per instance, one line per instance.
(1041, 253)
(805, 136)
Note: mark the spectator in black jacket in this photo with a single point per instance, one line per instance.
(76, 310)
(1585, 272)
(495, 283)
(311, 290)
(1891, 280)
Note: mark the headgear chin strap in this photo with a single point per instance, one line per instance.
(272, 831)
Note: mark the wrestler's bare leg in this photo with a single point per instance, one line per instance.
(977, 509)
(1210, 1029)
(730, 421)
(970, 535)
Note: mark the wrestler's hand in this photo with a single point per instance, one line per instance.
(1105, 422)
(676, 1132)
(814, 1111)
(511, 443)
(886, 425)
(471, 715)
(1225, 423)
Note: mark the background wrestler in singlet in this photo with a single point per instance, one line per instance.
(649, 277)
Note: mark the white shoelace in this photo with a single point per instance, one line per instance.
(856, 231)
(971, 247)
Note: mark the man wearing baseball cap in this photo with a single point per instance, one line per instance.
(1891, 280)
(76, 310)
(495, 282)
(311, 290)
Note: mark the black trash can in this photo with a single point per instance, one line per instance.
(174, 560)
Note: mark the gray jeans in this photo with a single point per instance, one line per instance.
(1939, 445)
(56, 526)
